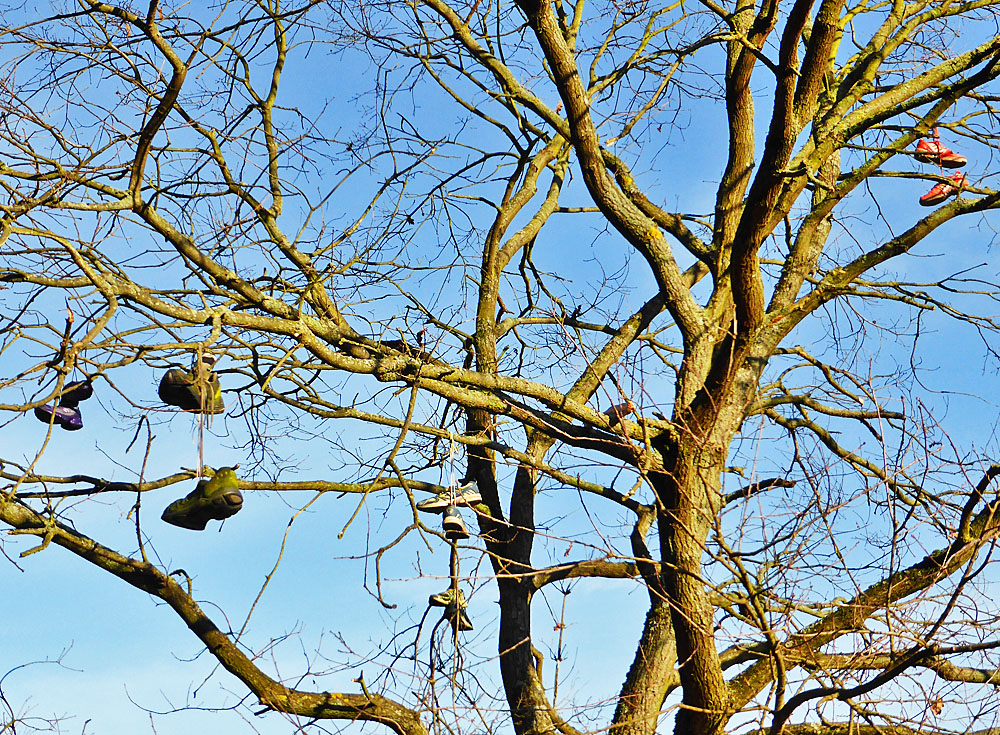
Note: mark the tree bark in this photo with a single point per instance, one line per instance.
(651, 675)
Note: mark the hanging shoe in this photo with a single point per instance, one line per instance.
(459, 619)
(212, 500)
(465, 495)
(186, 391)
(66, 415)
(455, 613)
(76, 392)
(942, 190)
(932, 151)
(444, 599)
(616, 414)
(453, 602)
(454, 526)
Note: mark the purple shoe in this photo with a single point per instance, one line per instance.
(76, 392)
(66, 417)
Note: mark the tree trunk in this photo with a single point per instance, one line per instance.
(650, 676)
(689, 494)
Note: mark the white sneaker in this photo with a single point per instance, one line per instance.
(465, 495)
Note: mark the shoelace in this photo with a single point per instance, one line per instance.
(937, 139)
(452, 485)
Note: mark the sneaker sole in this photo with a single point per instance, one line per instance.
(951, 161)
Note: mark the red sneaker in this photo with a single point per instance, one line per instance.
(931, 151)
(943, 190)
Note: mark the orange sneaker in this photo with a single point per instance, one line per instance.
(931, 151)
(942, 190)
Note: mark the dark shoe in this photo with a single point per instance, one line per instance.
(459, 619)
(212, 500)
(465, 495)
(931, 151)
(454, 526)
(65, 417)
(453, 602)
(76, 392)
(456, 614)
(942, 190)
(617, 414)
(183, 389)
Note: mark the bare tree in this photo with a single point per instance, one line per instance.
(574, 250)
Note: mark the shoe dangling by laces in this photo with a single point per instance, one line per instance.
(203, 371)
(196, 390)
(934, 151)
(453, 599)
(451, 521)
(213, 499)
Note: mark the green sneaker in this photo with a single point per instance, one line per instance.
(447, 598)
(453, 602)
(184, 390)
(213, 499)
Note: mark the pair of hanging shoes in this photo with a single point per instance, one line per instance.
(214, 499)
(446, 502)
(934, 152)
(453, 602)
(66, 415)
(197, 390)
